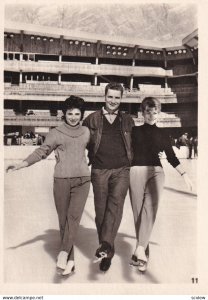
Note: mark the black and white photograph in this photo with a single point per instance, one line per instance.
(100, 134)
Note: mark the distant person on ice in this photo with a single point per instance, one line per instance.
(71, 176)
(147, 176)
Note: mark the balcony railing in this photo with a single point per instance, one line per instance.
(166, 120)
(84, 68)
(36, 89)
(32, 121)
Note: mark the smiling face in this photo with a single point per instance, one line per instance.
(112, 100)
(150, 115)
(73, 116)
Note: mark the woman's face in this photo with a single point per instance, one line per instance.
(73, 116)
(150, 115)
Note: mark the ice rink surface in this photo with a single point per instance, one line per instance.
(31, 235)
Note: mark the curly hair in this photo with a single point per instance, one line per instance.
(74, 102)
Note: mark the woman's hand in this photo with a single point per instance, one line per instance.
(160, 154)
(188, 182)
(14, 167)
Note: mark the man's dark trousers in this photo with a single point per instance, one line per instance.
(110, 187)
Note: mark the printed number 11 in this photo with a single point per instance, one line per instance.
(194, 280)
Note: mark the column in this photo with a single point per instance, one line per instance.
(60, 58)
(165, 58)
(131, 82)
(166, 85)
(21, 56)
(133, 65)
(96, 60)
(166, 82)
(95, 79)
(59, 78)
(20, 76)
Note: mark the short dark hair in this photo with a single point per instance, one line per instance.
(150, 102)
(114, 86)
(74, 102)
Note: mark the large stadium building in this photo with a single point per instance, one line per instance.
(44, 65)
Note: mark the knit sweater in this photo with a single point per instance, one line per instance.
(147, 142)
(69, 144)
(111, 153)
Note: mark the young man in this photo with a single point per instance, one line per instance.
(110, 155)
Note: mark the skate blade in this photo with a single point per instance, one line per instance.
(142, 268)
(68, 275)
(133, 265)
(97, 259)
(59, 271)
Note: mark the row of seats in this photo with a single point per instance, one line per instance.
(57, 87)
(76, 88)
(163, 115)
(35, 113)
(9, 113)
(29, 113)
(183, 89)
(154, 89)
(46, 114)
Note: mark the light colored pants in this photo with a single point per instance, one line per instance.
(70, 195)
(146, 185)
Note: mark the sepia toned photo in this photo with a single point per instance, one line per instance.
(100, 142)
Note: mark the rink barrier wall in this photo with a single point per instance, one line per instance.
(21, 152)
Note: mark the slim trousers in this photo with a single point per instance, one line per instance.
(70, 195)
(110, 188)
(146, 185)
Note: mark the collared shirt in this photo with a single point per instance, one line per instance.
(110, 116)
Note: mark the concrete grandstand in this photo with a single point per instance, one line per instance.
(43, 66)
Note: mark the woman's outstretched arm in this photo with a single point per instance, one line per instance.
(40, 153)
(14, 167)
(174, 161)
(185, 176)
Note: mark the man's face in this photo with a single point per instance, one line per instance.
(112, 100)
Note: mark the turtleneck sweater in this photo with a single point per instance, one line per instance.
(147, 142)
(69, 144)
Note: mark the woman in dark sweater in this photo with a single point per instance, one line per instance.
(71, 176)
(147, 176)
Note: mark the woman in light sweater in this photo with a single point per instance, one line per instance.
(147, 176)
(71, 176)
